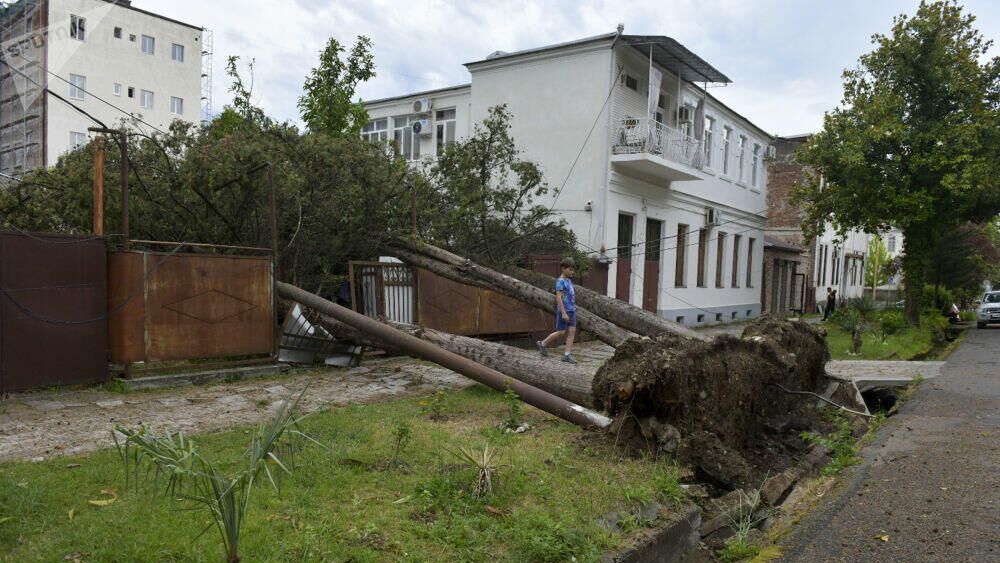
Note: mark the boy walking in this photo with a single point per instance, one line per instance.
(565, 312)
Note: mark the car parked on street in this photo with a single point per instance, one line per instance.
(989, 309)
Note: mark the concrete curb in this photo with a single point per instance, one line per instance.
(668, 543)
(203, 377)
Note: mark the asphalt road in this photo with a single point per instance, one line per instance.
(929, 486)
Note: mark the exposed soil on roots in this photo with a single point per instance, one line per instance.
(715, 404)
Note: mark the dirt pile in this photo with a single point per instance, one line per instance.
(715, 404)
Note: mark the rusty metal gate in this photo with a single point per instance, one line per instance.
(190, 306)
(53, 310)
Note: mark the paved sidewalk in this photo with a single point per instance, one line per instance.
(39, 425)
(929, 486)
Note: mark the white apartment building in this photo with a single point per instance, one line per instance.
(110, 59)
(665, 182)
(840, 264)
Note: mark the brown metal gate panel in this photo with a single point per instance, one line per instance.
(53, 311)
(193, 306)
(499, 314)
(447, 306)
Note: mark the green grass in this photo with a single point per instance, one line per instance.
(347, 502)
(904, 345)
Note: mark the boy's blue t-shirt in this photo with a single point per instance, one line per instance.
(565, 285)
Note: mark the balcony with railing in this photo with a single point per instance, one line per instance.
(648, 149)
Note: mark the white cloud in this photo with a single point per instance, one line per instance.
(784, 57)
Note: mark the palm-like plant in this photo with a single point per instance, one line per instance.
(485, 463)
(852, 321)
(183, 474)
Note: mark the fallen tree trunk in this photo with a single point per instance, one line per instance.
(467, 272)
(427, 351)
(568, 381)
(625, 315)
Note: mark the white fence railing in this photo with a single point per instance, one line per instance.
(648, 136)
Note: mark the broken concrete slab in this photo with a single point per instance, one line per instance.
(868, 374)
(110, 404)
(203, 377)
(44, 405)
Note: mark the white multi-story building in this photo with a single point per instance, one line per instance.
(107, 58)
(665, 181)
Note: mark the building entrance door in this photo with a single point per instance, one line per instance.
(623, 276)
(651, 271)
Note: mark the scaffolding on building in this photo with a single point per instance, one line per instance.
(22, 108)
(207, 50)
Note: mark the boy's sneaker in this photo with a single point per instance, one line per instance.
(541, 348)
(568, 359)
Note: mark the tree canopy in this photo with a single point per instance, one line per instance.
(329, 103)
(915, 142)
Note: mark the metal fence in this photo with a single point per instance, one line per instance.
(53, 310)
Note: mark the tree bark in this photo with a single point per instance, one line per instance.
(418, 348)
(915, 261)
(625, 315)
(465, 271)
(564, 380)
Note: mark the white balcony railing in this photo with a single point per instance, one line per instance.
(648, 136)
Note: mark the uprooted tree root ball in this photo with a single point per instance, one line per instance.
(714, 404)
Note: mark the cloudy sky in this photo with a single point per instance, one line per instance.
(785, 57)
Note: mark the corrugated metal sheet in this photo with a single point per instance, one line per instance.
(192, 306)
(53, 310)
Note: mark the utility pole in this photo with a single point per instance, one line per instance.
(99, 186)
(123, 145)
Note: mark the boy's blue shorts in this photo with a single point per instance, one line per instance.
(563, 324)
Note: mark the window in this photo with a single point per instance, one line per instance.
(77, 140)
(836, 267)
(18, 158)
(743, 154)
(445, 128)
(727, 136)
(892, 244)
(376, 131)
(750, 244)
(176, 105)
(78, 28)
(148, 45)
(177, 52)
(145, 99)
(407, 143)
(754, 165)
(661, 104)
(680, 279)
(131, 37)
(131, 92)
(118, 33)
(631, 83)
(77, 86)
(720, 262)
(735, 281)
(702, 255)
(118, 89)
(709, 138)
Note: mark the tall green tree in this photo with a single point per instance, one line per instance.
(485, 199)
(328, 104)
(916, 140)
(878, 265)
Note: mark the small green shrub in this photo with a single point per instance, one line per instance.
(515, 410)
(864, 305)
(545, 541)
(435, 405)
(892, 322)
(401, 436)
(944, 297)
(737, 550)
(840, 442)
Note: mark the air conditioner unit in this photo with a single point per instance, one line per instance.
(713, 217)
(423, 105)
(421, 127)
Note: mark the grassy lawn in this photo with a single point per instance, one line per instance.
(904, 345)
(342, 503)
